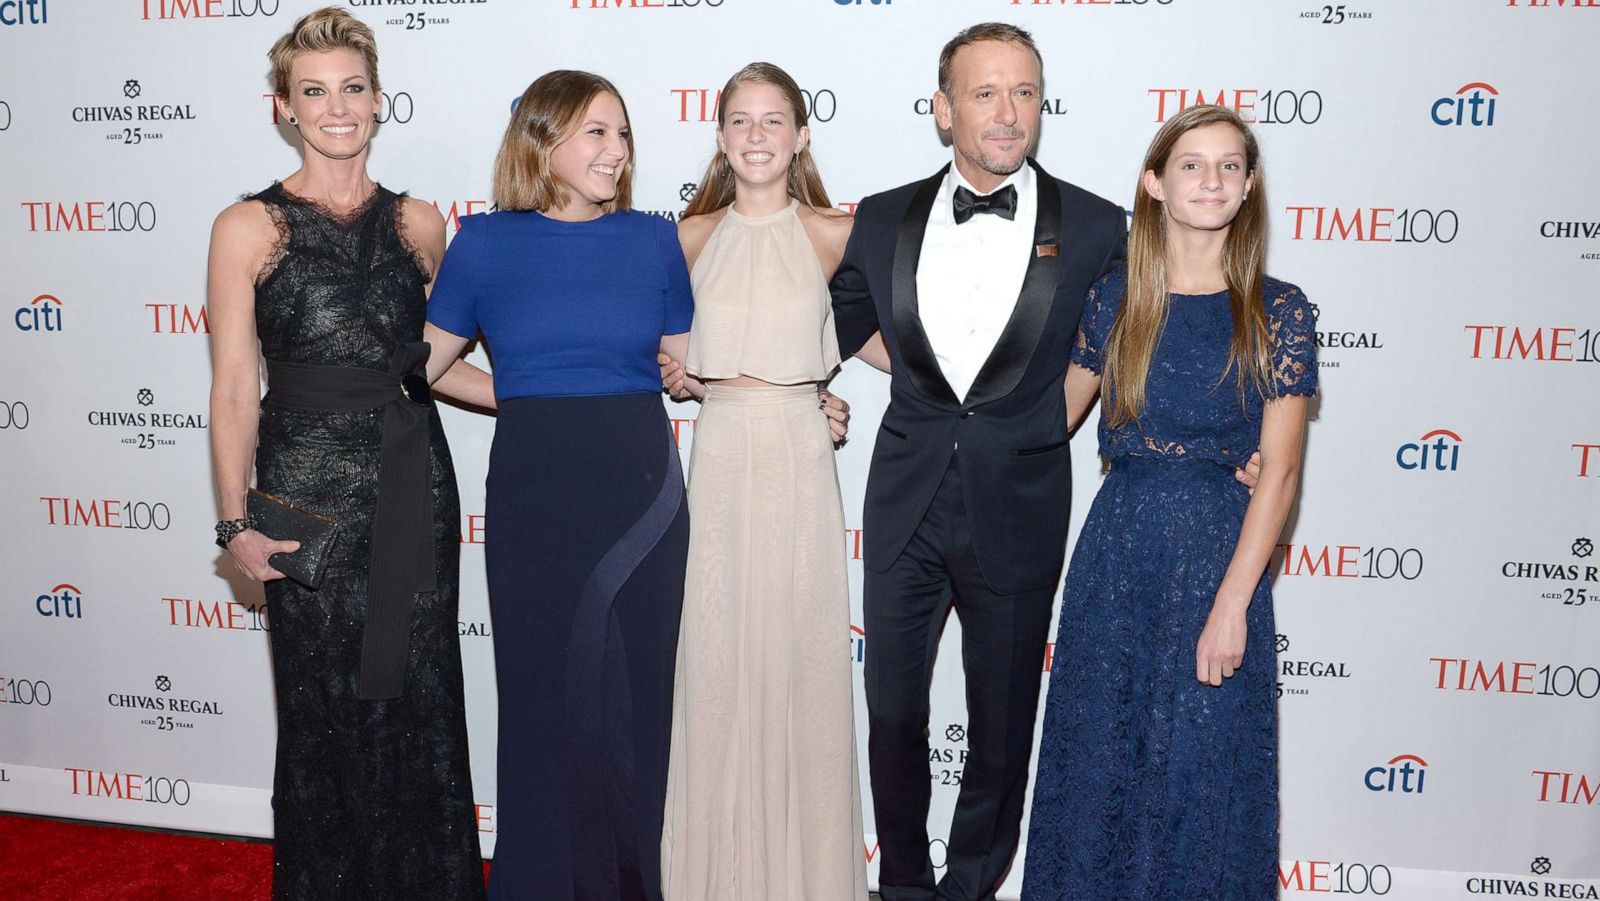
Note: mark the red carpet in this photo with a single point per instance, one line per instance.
(47, 860)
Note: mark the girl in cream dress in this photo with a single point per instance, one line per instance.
(763, 799)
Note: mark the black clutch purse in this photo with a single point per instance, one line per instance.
(280, 520)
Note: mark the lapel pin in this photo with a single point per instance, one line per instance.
(1047, 250)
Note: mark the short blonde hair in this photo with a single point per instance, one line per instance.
(329, 28)
(546, 114)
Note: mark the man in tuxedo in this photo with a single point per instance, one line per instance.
(975, 276)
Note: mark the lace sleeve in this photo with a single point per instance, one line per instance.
(1099, 312)
(1292, 328)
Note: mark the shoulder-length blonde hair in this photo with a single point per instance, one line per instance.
(1143, 315)
(329, 28)
(546, 114)
(717, 186)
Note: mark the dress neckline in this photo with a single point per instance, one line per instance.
(344, 219)
(735, 215)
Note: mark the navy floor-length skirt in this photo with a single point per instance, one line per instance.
(586, 542)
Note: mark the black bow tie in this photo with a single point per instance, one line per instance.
(1002, 203)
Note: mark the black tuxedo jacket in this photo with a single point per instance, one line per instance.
(1011, 429)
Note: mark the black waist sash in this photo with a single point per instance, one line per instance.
(403, 560)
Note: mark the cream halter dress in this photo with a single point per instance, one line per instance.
(763, 800)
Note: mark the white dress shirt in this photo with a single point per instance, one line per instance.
(969, 275)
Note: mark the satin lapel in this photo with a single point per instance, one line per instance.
(915, 352)
(1014, 351)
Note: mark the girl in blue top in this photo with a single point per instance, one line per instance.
(575, 294)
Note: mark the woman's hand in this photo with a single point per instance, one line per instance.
(1220, 650)
(250, 550)
(838, 413)
(673, 379)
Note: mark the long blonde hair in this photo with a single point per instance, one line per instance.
(1143, 315)
(717, 186)
(546, 114)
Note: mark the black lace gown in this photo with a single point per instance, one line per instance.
(372, 799)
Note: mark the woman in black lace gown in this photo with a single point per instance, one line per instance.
(327, 272)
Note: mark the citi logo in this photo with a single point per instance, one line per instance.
(1468, 106)
(24, 12)
(858, 644)
(64, 601)
(1436, 451)
(41, 314)
(1391, 777)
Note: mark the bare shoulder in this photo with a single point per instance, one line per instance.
(423, 227)
(695, 231)
(420, 216)
(242, 237)
(829, 230)
(243, 221)
(698, 229)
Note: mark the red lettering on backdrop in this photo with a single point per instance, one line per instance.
(84, 217)
(1583, 459)
(1585, 792)
(452, 217)
(96, 784)
(176, 323)
(853, 538)
(1306, 881)
(1473, 675)
(1522, 345)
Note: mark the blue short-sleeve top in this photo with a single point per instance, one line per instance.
(567, 308)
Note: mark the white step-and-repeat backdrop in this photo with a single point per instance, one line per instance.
(1431, 172)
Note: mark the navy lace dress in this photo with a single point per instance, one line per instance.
(1150, 784)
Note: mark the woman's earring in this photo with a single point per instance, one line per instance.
(293, 121)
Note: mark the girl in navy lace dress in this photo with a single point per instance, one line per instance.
(1158, 768)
